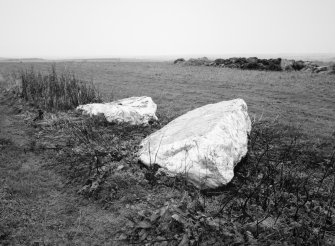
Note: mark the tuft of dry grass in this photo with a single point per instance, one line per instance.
(56, 91)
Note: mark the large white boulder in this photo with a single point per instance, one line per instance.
(133, 110)
(205, 144)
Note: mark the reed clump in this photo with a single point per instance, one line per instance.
(56, 90)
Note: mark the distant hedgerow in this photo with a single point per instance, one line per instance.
(55, 90)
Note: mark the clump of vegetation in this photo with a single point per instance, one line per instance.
(60, 91)
(284, 191)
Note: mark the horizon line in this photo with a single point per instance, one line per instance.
(169, 57)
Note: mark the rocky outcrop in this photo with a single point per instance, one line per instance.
(298, 65)
(254, 63)
(331, 69)
(179, 60)
(204, 144)
(292, 65)
(251, 63)
(321, 69)
(315, 68)
(198, 62)
(133, 110)
(287, 65)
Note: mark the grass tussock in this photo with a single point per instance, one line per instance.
(56, 90)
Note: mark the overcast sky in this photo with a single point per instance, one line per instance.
(123, 28)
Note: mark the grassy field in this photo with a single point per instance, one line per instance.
(301, 99)
(67, 167)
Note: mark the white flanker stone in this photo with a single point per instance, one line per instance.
(133, 110)
(204, 144)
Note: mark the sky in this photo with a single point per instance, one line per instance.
(145, 28)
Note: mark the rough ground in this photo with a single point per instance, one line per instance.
(36, 208)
